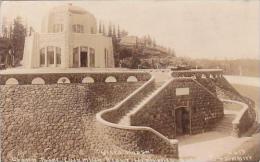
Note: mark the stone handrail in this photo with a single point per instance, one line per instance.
(135, 138)
(241, 121)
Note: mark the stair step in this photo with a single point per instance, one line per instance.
(125, 120)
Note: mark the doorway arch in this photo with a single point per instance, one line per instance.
(182, 120)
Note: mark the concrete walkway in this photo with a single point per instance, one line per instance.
(208, 146)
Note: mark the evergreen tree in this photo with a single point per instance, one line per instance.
(99, 27)
(110, 30)
(118, 32)
(17, 40)
(103, 29)
(114, 31)
(154, 42)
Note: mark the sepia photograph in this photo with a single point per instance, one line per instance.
(130, 81)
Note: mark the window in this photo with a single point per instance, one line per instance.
(83, 49)
(76, 57)
(74, 28)
(92, 57)
(57, 28)
(50, 55)
(77, 28)
(42, 56)
(106, 57)
(58, 55)
(81, 29)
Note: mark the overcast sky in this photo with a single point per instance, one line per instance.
(198, 29)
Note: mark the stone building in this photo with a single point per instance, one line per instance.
(68, 39)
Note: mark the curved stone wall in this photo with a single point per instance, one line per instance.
(242, 122)
(135, 138)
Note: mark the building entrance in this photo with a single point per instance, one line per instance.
(182, 121)
(83, 59)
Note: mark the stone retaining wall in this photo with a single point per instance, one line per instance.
(46, 121)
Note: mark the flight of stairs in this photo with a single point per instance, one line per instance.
(225, 125)
(125, 120)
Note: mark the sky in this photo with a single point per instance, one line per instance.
(225, 29)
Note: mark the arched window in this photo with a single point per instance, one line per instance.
(110, 79)
(50, 55)
(11, 81)
(42, 56)
(132, 79)
(92, 57)
(58, 55)
(63, 80)
(38, 80)
(88, 80)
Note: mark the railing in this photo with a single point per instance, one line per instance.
(135, 138)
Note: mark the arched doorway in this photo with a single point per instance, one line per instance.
(182, 121)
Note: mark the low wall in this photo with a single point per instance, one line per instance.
(199, 73)
(135, 138)
(159, 112)
(242, 121)
(52, 78)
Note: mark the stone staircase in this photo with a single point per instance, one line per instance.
(125, 120)
(225, 125)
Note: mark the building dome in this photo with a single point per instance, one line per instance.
(68, 18)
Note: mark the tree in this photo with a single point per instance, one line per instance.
(99, 27)
(124, 33)
(110, 30)
(5, 47)
(17, 40)
(118, 32)
(114, 31)
(154, 42)
(103, 29)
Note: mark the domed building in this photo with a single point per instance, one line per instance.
(68, 39)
